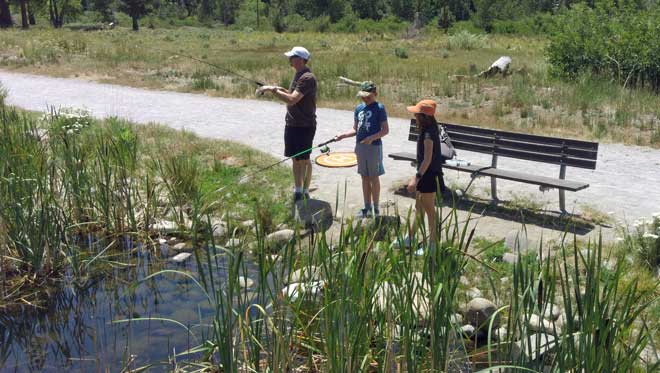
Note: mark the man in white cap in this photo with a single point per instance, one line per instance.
(300, 127)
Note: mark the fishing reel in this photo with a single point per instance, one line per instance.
(325, 149)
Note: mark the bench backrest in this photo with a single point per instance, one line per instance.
(565, 152)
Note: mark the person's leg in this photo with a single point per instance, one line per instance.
(428, 204)
(306, 176)
(419, 214)
(366, 191)
(374, 182)
(298, 169)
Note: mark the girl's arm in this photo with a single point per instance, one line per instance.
(428, 153)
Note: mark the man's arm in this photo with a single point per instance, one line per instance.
(288, 98)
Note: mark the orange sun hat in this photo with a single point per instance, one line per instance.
(423, 107)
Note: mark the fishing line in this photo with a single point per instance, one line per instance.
(258, 83)
(324, 149)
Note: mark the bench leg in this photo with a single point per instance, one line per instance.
(562, 193)
(493, 182)
(562, 201)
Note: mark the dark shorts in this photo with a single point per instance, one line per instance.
(298, 139)
(430, 182)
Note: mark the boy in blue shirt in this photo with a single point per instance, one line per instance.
(370, 125)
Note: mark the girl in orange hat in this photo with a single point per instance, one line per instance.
(428, 178)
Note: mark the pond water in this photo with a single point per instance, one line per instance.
(78, 330)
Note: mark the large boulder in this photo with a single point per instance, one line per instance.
(479, 312)
(314, 214)
(534, 346)
(279, 239)
(306, 273)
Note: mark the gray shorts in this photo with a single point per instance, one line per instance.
(370, 159)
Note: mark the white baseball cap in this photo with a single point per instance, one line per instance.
(300, 52)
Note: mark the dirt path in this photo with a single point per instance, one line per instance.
(624, 185)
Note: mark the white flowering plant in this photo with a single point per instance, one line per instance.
(68, 121)
(643, 240)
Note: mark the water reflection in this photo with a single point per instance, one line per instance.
(75, 329)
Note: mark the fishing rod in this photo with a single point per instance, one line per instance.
(258, 83)
(324, 149)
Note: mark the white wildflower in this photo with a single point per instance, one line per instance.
(650, 235)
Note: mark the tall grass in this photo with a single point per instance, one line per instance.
(365, 306)
(68, 182)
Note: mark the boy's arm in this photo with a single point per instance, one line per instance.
(384, 130)
(350, 133)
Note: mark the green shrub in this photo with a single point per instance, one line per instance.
(465, 40)
(401, 52)
(618, 44)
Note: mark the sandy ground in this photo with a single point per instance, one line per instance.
(624, 187)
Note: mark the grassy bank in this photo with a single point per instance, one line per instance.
(407, 67)
(69, 184)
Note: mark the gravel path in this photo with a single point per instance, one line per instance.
(625, 183)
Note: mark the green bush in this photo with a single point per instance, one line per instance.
(618, 44)
(540, 24)
(401, 52)
(466, 40)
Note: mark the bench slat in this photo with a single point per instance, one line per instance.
(543, 181)
(544, 140)
(521, 154)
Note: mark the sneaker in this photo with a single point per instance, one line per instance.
(401, 244)
(366, 213)
(307, 197)
(376, 212)
(297, 196)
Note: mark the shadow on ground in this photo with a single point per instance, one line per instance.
(569, 223)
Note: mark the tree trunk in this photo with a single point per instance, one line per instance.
(24, 15)
(136, 26)
(5, 14)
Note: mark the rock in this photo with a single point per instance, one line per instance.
(162, 241)
(172, 240)
(276, 240)
(500, 334)
(245, 282)
(538, 324)
(534, 346)
(303, 289)
(479, 312)
(181, 257)
(314, 214)
(180, 247)
(464, 281)
(510, 258)
(219, 227)
(386, 293)
(468, 331)
(456, 319)
(473, 293)
(306, 273)
(552, 312)
(247, 225)
(233, 242)
(165, 226)
(504, 280)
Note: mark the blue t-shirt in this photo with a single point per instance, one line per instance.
(368, 118)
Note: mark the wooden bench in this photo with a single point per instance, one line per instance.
(543, 149)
